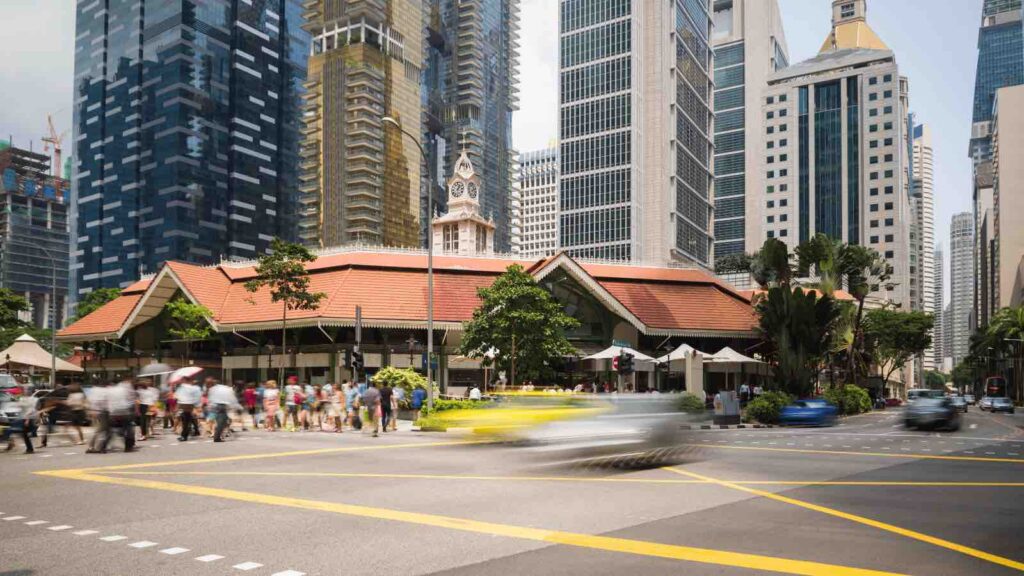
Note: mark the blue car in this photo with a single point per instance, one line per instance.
(810, 412)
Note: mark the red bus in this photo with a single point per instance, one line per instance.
(995, 386)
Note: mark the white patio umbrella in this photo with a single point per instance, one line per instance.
(614, 351)
(682, 353)
(730, 361)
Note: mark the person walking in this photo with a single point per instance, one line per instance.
(371, 400)
(292, 401)
(221, 399)
(122, 401)
(250, 399)
(271, 402)
(351, 403)
(419, 395)
(76, 403)
(23, 425)
(386, 396)
(396, 402)
(148, 397)
(101, 415)
(189, 396)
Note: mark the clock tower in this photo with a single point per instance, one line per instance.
(463, 231)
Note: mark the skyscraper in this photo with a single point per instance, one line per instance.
(360, 178)
(536, 220)
(636, 128)
(938, 333)
(749, 45)
(922, 260)
(1000, 64)
(470, 89)
(961, 273)
(186, 128)
(835, 160)
(1006, 250)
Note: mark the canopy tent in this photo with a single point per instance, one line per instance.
(682, 353)
(27, 352)
(613, 351)
(732, 362)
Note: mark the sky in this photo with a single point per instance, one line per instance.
(935, 44)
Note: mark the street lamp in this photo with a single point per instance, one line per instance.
(53, 308)
(430, 258)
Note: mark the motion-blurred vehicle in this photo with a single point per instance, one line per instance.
(986, 403)
(809, 412)
(893, 402)
(9, 409)
(970, 399)
(960, 403)
(924, 393)
(932, 413)
(1002, 405)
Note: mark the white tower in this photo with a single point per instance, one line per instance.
(463, 231)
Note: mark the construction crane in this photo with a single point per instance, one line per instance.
(54, 139)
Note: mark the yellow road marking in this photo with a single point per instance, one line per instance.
(862, 520)
(905, 455)
(609, 544)
(579, 479)
(260, 456)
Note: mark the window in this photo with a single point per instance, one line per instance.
(783, 113)
(784, 218)
(451, 238)
(888, 125)
(771, 159)
(888, 205)
(847, 10)
(874, 239)
(873, 128)
(874, 159)
(888, 189)
(873, 112)
(771, 129)
(783, 187)
(771, 219)
(874, 175)
(783, 143)
(771, 189)
(888, 173)
(874, 223)
(771, 144)
(873, 81)
(888, 78)
(784, 233)
(874, 144)
(874, 191)
(783, 157)
(783, 173)
(889, 254)
(771, 115)
(771, 99)
(783, 128)
(874, 207)
(771, 173)
(481, 238)
(771, 203)
(890, 238)
(783, 98)
(888, 141)
(873, 96)
(887, 110)
(783, 203)
(888, 221)
(887, 94)
(771, 234)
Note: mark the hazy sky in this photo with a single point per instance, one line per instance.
(935, 44)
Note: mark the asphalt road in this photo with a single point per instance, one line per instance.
(865, 497)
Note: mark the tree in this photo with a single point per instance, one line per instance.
(522, 323)
(895, 337)
(1004, 336)
(796, 329)
(95, 300)
(935, 380)
(191, 322)
(284, 272)
(11, 306)
(771, 265)
(733, 263)
(963, 376)
(866, 272)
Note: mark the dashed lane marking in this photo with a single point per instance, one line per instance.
(850, 453)
(13, 518)
(85, 532)
(174, 551)
(604, 543)
(60, 528)
(143, 544)
(113, 538)
(246, 566)
(980, 554)
(210, 558)
(289, 573)
(36, 522)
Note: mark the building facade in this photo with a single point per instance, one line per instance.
(922, 194)
(360, 178)
(1000, 64)
(470, 90)
(835, 159)
(186, 133)
(1007, 248)
(749, 44)
(961, 271)
(636, 130)
(463, 231)
(535, 225)
(939, 298)
(984, 245)
(34, 243)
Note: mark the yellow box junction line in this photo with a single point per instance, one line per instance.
(903, 455)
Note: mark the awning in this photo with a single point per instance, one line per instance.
(614, 351)
(683, 352)
(27, 352)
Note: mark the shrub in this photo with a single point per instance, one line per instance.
(690, 403)
(444, 405)
(767, 407)
(849, 399)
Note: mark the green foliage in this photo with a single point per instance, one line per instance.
(42, 335)
(771, 265)
(284, 272)
(849, 399)
(522, 323)
(405, 378)
(95, 300)
(935, 380)
(733, 263)
(767, 407)
(795, 327)
(191, 322)
(12, 304)
(963, 375)
(690, 403)
(894, 337)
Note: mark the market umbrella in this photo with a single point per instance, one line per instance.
(155, 369)
(180, 374)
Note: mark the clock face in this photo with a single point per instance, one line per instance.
(458, 189)
(473, 190)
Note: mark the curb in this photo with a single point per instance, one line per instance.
(724, 426)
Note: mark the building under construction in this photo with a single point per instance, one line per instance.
(34, 234)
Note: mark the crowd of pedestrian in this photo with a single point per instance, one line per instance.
(131, 410)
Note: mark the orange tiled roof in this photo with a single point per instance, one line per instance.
(392, 288)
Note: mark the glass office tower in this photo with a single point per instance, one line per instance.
(186, 132)
(1000, 64)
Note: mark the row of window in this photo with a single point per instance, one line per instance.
(596, 44)
(582, 13)
(596, 116)
(596, 153)
(595, 80)
(595, 227)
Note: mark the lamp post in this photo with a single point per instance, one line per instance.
(430, 258)
(53, 308)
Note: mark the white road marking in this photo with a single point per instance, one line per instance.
(246, 566)
(173, 551)
(37, 522)
(973, 426)
(70, 453)
(143, 544)
(59, 528)
(46, 455)
(13, 518)
(289, 573)
(209, 558)
(85, 532)
(113, 538)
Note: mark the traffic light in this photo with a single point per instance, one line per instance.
(615, 363)
(357, 361)
(626, 364)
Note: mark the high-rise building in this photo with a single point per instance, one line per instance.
(947, 338)
(535, 224)
(835, 159)
(749, 44)
(34, 243)
(1006, 257)
(922, 259)
(360, 178)
(635, 130)
(1000, 64)
(938, 333)
(186, 133)
(961, 276)
(984, 245)
(470, 89)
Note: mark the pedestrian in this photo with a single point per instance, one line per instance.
(148, 397)
(27, 407)
(271, 402)
(334, 401)
(122, 401)
(76, 404)
(396, 402)
(351, 403)
(292, 402)
(416, 402)
(474, 393)
(249, 396)
(371, 401)
(221, 399)
(100, 409)
(189, 398)
(170, 408)
(386, 396)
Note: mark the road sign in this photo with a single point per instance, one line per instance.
(620, 343)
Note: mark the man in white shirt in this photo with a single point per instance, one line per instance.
(189, 396)
(474, 393)
(121, 403)
(148, 397)
(291, 390)
(101, 415)
(221, 397)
